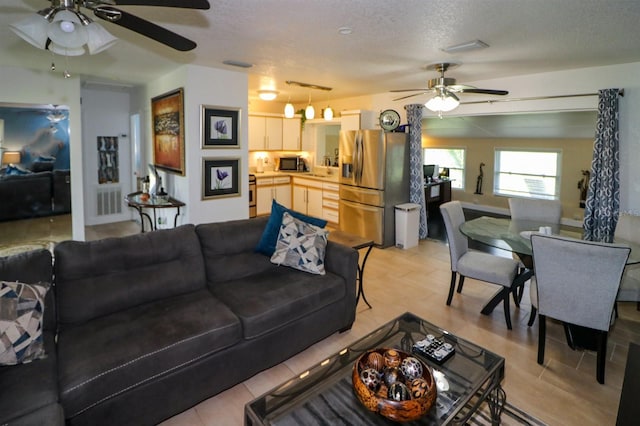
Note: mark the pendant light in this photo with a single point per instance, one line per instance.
(309, 112)
(289, 111)
(327, 114)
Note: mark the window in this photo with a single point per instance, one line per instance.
(530, 174)
(451, 158)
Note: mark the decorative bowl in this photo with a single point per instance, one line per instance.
(376, 398)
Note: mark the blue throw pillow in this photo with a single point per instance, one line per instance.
(13, 169)
(267, 244)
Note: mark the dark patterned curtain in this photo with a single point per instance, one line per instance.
(416, 179)
(603, 200)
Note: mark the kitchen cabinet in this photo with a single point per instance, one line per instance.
(291, 134)
(307, 196)
(265, 133)
(358, 119)
(331, 202)
(272, 188)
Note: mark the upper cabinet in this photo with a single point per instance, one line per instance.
(265, 133)
(358, 119)
(291, 134)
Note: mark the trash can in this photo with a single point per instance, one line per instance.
(407, 225)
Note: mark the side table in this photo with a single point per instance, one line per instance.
(134, 200)
(356, 243)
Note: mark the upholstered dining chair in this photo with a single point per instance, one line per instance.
(547, 211)
(577, 282)
(628, 228)
(543, 211)
(474, 264)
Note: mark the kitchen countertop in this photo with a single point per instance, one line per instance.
(306, 175)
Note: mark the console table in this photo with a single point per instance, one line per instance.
(135, 200)
(436, 193)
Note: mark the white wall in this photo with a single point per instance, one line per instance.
(203, 86)
(19, 85)
(105, 113)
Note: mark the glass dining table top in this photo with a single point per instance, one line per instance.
(514, 235)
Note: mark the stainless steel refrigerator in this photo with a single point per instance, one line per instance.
(374, 178)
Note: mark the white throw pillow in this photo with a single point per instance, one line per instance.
(300, 245)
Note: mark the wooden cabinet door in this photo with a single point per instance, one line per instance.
(314, 202)
(256, 133)
(283, 195)
(264, 195)
(300, 199)
(273, 133)
(291, 134)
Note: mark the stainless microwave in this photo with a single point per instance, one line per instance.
(291, 164)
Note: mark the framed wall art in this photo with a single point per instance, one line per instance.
(220, 127)
(220, 177)
(167, 113)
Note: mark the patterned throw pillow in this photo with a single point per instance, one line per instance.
(300, 245)
(21, 317)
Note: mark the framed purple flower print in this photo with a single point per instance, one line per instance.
(220, 127)
(220, 177)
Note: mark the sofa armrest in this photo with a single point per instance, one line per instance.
(343, 261)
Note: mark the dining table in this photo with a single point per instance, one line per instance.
(514, 236)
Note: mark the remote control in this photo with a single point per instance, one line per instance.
(434, 349)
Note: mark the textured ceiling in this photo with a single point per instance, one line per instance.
(391, 42)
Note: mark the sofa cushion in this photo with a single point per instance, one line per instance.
(29, 387)
(21, 321)
(97, 278)
(267, 243)
(300, 245)
(273, 298)
(107, 356)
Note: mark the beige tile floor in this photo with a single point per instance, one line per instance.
(563, 391)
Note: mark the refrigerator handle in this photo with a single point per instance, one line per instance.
(359, 158)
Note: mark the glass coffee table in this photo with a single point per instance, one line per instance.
(324, 394)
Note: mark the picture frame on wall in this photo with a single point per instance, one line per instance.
(220, 177)
(220, 127)
(167, 114)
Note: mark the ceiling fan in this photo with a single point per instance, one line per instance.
(63, 20)
(445, 89)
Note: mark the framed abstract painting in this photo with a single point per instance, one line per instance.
(167, 114)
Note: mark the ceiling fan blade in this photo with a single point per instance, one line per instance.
(486, 91)
(186, 4)
(408, 90)
(410, 96)
(144, 27)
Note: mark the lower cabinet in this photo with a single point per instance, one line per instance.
(307, 197)
(272, 188)
(331, 202)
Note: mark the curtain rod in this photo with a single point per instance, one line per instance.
(536, 98)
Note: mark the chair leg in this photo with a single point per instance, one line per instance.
(507, 313)
(532, 316)
(452, 287)
(542, 331)
(602, 356)
(460, 283)
(516, 296)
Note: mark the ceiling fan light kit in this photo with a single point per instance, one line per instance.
(62, 28)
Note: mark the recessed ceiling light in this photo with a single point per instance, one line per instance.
(466, 46)
(237, 63)
(345, 30)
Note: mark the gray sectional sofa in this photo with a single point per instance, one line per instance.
(35, 195)
(149, 325)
